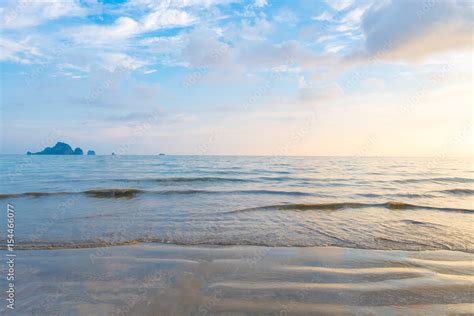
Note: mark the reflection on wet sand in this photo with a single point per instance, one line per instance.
(158, 279)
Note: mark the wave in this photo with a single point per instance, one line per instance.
(275, 192)
(458, 191)
(285, 178)
(99, 193)
(419, 223)
(383, 243)
(446, 179)
(31, 194)
(322, 181)
(185, 179)
(350, 205)
(113, 193)
(397, 195)
(279, 179)
(72, 245)
(131, 193)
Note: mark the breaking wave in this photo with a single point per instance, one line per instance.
(350, 205)
(458, 191)
(131, 193)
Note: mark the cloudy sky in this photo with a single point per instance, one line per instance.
(303, 77)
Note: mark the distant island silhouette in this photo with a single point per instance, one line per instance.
(62, 149)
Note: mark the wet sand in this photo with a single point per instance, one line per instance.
(161, 279)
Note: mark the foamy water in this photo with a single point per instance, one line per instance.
(371, 203)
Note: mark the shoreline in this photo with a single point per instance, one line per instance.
(108, 245)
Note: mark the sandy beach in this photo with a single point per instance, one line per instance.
(161, 279)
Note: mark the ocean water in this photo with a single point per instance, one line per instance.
(368, 203)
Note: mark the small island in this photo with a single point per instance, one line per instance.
(61, 149)
(90, 153)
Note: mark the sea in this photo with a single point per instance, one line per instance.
(64, 202)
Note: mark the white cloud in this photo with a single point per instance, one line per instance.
(325, 16)
(114, 60)
(256, 31)
(122, 28)
(339, 4)
(325, 38)
(286, 16)
(176, 3)
(17, 51)
(20, 14)
(260, 3)
(149, 71)
(162, 40)
(334, 48)
(355, 15)
(204, 49)
(345, 28)
(71, 75)
(73, 67)
(166, 19)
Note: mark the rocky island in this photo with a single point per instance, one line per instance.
(61, 149)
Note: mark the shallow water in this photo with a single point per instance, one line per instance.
(372, 203)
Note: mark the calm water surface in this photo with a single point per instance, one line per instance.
(372, 203)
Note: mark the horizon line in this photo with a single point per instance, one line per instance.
(251, 155)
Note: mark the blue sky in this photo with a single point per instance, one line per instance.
(257, 77)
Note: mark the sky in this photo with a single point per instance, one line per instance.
(307, 77)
